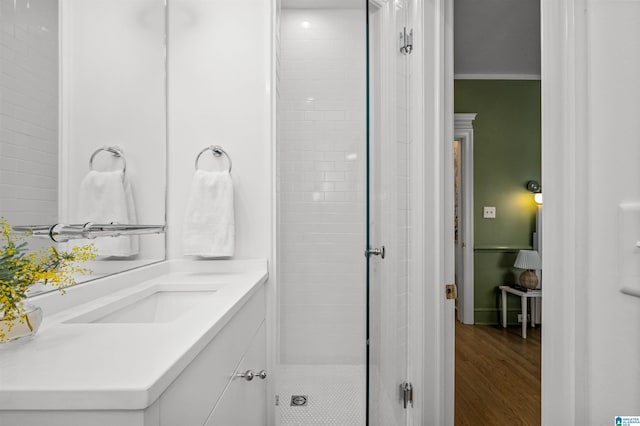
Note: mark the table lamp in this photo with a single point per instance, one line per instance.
(529, 260)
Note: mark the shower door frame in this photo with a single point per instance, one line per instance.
(432, 262)
(383, 200)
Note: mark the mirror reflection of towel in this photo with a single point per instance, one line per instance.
(209, 225)
(107, 197)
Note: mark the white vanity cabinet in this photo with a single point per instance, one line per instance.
(210, 380)
(183, 372)
(244, 403)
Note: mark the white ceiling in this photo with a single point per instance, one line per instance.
(499, 38)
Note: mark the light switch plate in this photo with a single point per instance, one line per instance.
(489, 212)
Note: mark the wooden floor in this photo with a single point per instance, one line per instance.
(497, 376)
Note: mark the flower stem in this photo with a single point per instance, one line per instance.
(26, 317)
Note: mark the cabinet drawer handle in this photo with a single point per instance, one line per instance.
(247, 375)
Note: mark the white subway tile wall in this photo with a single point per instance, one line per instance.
(220, 93)
(29, 111)
(321, 152)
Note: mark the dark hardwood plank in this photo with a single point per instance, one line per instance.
(497, 376)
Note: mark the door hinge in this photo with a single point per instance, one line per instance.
(406, 41)
(406, 394)
(451, 291)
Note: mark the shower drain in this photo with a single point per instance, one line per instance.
(299, 400)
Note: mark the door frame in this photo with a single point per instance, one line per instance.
(565, 168)
(431, 252)
(564, 171)
(431, 315)
(463, 132)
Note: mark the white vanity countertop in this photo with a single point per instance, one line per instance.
(125, 366)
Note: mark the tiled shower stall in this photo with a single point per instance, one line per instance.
(321, 151)
(342, 183)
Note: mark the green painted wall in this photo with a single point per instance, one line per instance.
(506, 139)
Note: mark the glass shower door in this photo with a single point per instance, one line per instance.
(321, 145)
(388, 215)
(342, 187)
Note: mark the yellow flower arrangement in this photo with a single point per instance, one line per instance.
(20, 269)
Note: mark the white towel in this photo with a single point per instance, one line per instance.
(209, 225)
(107, 197)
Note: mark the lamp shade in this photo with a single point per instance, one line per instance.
(528, 259)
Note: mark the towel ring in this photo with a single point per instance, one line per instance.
(217, 152)
(115, 150)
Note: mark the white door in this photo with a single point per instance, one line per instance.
(388, 210)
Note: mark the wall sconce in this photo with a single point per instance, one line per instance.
(538, 197)
(534, 186)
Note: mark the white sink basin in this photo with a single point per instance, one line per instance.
(153, 305)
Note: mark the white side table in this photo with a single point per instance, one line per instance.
(524, 295)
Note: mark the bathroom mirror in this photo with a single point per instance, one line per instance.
(78, 76)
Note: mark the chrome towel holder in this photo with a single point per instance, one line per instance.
(61, 233)
(115, 150)
(217, 152)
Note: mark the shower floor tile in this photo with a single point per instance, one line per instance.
(336, 395)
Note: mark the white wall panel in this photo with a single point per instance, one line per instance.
(614, 151)
(590, 152)
(220, 94)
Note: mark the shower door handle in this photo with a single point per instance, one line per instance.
(375, 251)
